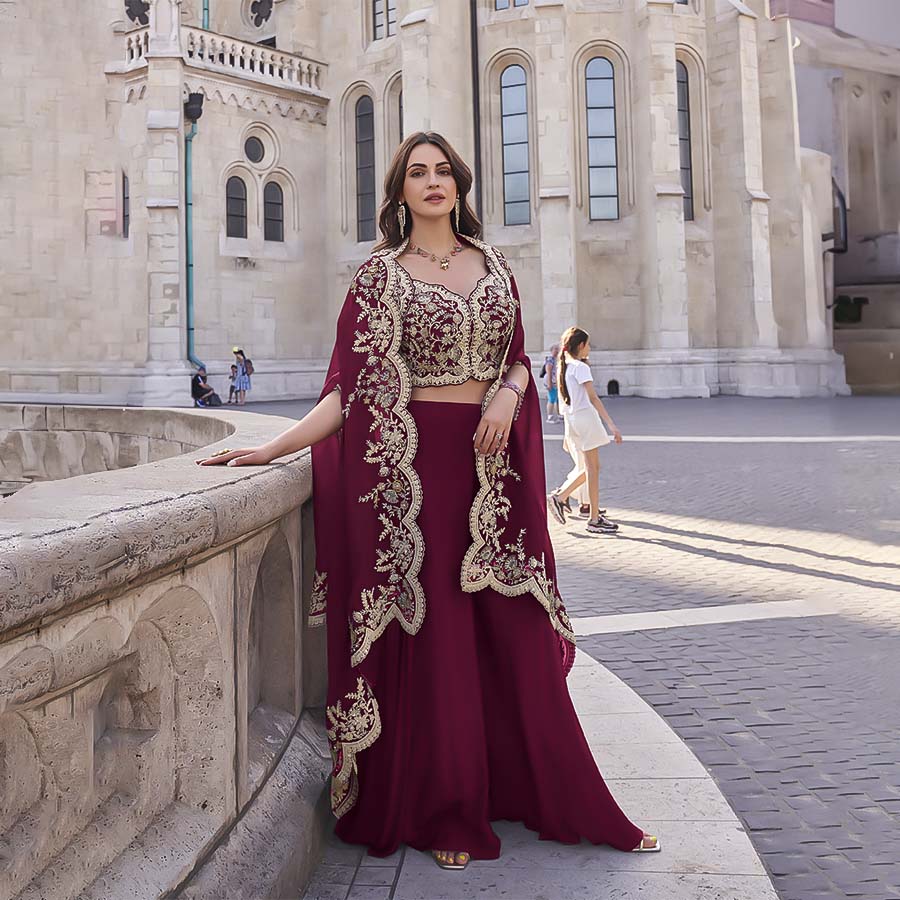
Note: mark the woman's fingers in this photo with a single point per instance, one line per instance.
(224, 456)
(491, 437)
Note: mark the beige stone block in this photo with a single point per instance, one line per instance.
(34, 418)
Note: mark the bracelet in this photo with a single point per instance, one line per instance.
(520, 395)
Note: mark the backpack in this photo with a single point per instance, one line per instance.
(543, 371)
(248, 366)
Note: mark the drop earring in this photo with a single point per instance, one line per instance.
(456, 209)
(401, 218)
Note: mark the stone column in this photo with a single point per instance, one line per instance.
(166, 332)
(437, 66)
(659, 200)
(740, 210)
(553, 119)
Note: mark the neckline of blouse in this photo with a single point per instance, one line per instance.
(490, 265)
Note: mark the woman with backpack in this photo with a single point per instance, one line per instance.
(244, 371)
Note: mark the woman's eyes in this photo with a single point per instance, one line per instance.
(445, 173)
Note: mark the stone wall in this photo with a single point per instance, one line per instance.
(158, 683)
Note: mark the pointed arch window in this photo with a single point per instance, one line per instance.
(365, 169)
(603, 160)
(514, 132)
(235, 207)
(273, 220)
(684, 139)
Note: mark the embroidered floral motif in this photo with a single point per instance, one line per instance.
(495, 561)
(448, 339)
(383, 387)
(317, 600)
(350, 730)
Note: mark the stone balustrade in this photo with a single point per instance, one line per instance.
(159, 688)
(222, 54)
(137, 43)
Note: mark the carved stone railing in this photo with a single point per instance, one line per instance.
(158, 685)
(222, 54)
(137, 43)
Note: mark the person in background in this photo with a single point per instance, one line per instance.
(583, 411)
(232, 389)
(551, 369)
(244, 371)
(202, 393)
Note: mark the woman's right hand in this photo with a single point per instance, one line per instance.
(249, 456)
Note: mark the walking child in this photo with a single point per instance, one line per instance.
(232, 387)
(582, 411)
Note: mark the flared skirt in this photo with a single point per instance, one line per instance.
(477, 723)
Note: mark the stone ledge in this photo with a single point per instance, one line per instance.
(105, 530)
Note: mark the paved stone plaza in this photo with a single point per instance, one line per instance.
(752, 599)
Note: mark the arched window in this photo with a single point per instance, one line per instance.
(384, 18)
(273, 213)
(603, 166)
(235, 207)
(684, 139)
(514, 128)
(365, 169)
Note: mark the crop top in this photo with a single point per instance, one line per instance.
(448, 339)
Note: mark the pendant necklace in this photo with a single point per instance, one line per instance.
(444, 260)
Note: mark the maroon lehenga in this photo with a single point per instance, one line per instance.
(447, 699)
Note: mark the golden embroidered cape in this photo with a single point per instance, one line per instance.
(367, 495)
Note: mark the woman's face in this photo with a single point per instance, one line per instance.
(429, 187)
(585, 350)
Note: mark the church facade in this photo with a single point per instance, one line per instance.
(186, 176)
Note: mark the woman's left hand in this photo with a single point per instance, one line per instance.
(492, 434)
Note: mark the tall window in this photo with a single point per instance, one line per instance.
(365, 169)
(603, 171)
(384, 18)
(684, 139)
(514, 127)
(126, 205)
(273, 203)
(235, 207)
(505, 4)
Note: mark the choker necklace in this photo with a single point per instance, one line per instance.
(444, 260)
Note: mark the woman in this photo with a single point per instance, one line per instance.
(583, 411)
(242, 380)
(447, 701)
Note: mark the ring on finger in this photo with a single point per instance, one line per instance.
(221, 452)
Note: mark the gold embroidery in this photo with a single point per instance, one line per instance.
(448, 338)
(384, 388)
(492, 560)
(317, 600)
(506, 566)
(350, 730)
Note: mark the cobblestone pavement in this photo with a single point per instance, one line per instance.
(798, 723)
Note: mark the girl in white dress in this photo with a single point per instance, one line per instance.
(584, 414)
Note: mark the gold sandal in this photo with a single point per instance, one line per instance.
(642, 848)
(453, 855)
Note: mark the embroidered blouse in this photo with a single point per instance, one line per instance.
(448, 338)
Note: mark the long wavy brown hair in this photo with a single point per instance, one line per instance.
(571, 342)
(469, 225)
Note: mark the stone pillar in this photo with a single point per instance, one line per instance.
(164, 178)
(797, 294)
(659, 201)
(740, 210)
(437, 66)
(553, 119)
